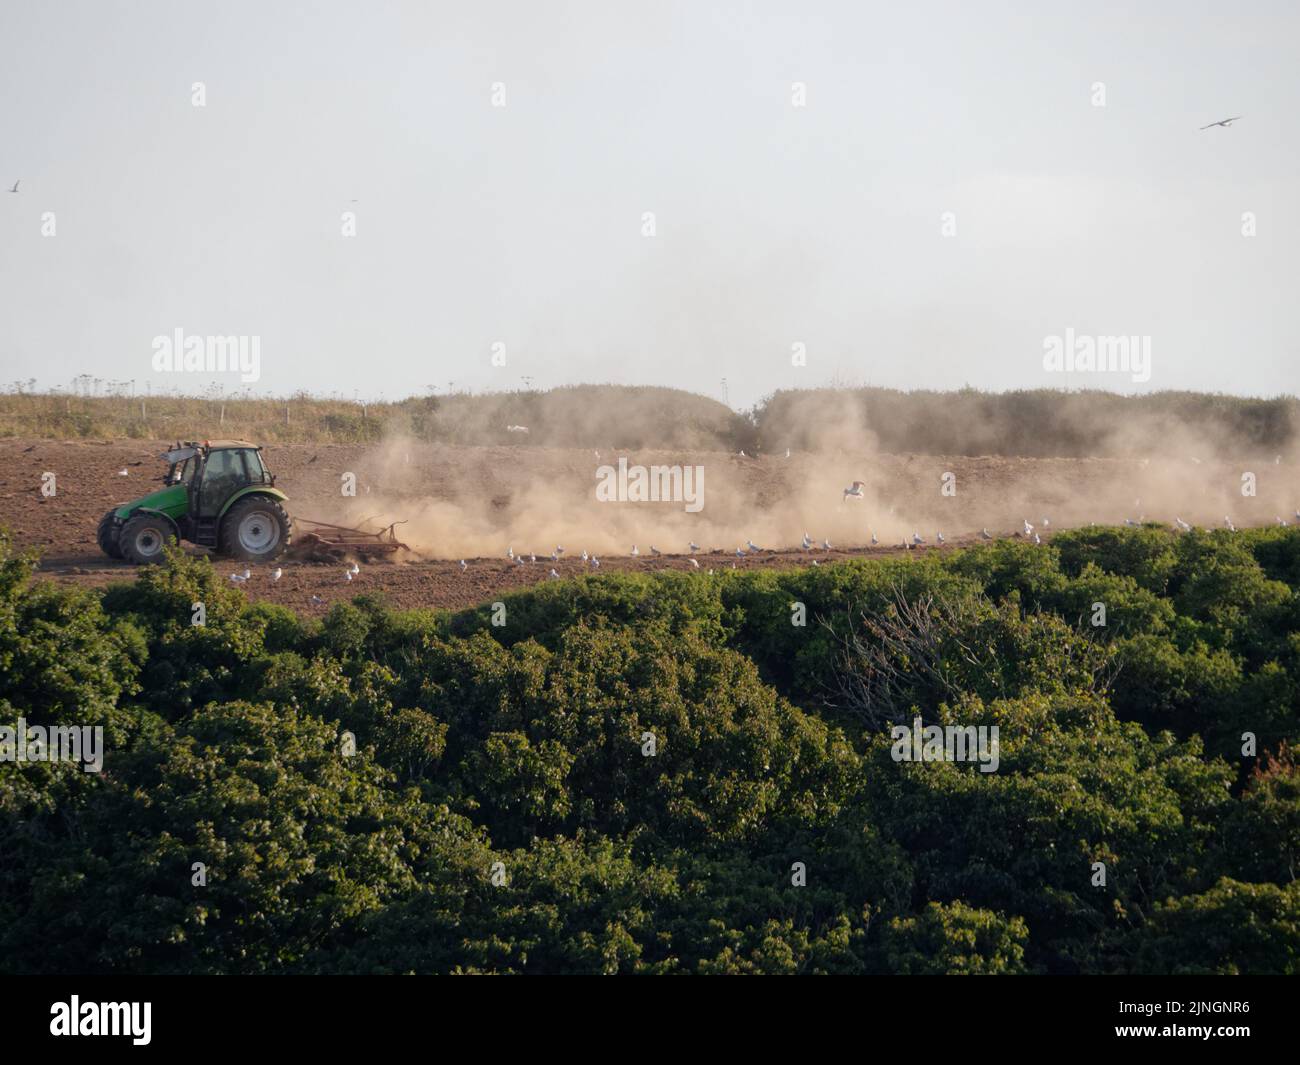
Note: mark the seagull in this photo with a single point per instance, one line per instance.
(1182, 525)
(752, 546)
(584, 555)
(463, 567)
(1228, 522)
(693, 546)
(740, 553)
(1046, 524)
(1224, 122)
(559, 550)
(806, 542)
(693, 563)
(347, 574)
(355, 569)
(1283, 522)
(519, 561)
(874, 541)
(827, 545)
(316, 600)
(595, 562)
(123, 472)
(816, 563)
(854, 491)
(917, 538)
(1028, 528)
(532, 558)
(787, 452)
(742, 454)
(15, 188)
(939, 537)
(238, 577)
(554, 576)
(555, 556)
(510, 552)
(275, 573)
(984, 534)
(655, 551)
(635, 552)
(1037, 539)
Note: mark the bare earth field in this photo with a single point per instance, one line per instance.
(474, 503)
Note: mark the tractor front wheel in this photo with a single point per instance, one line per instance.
(106, 535)
(255, 529)
(143, 538)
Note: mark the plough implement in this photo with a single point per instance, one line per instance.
(328, 542)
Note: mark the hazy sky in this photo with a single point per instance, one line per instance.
(775, 224)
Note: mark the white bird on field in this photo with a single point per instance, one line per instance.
(275, 573)
(742, 454)
(510, 553)
(347, 574)
(519, 561)
(752, 546)
(1037, 539)
(1182, 524)
(1282, 521)
(1130, 521)
(559, 549)
(917, 538)
(554, 576)
(355, 569)
(1028, 528)
(532, 558)
(806, 542)
(693, 546)
(595, 562)
(985, 534)
(693, 563)
(655, 551)
(740, 552)
(1046, 524)
(123, 472)
(316, 600)
(1228, 522)
(939, 537)
(874, 541)
(239, 577)
(816, 563)
(854, 491)
(463, 566)
(584, 555)
(827, 545)
(787, 452)
(1297, 515)
(635, 552)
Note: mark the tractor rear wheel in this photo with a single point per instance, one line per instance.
(143, 538)
(106, 535)
(255, 529)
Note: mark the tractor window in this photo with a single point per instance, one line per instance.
(185, 473)
(222, 474)
(256, 471)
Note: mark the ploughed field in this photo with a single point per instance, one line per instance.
(475, 503)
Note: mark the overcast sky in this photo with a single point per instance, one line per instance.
(775, 224)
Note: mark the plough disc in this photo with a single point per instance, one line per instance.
(334, 542)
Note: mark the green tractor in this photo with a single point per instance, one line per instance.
(217, 494)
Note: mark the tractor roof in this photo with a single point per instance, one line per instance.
(221, 445)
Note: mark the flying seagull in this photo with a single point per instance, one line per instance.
(16, 183)
(1225, 122)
